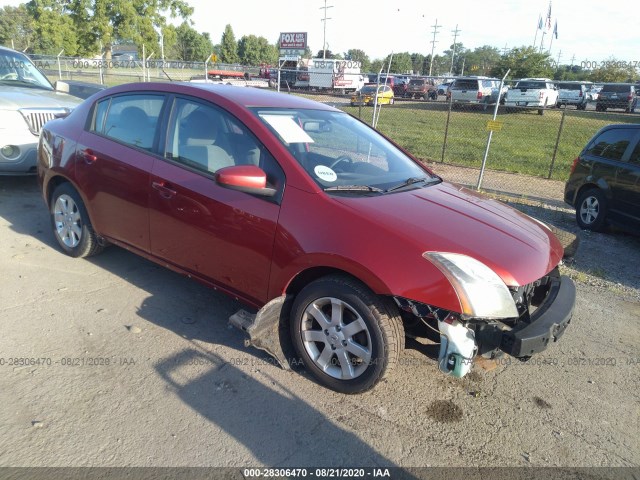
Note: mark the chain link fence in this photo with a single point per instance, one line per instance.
(530, 154)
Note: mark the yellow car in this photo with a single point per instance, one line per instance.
(366, 95)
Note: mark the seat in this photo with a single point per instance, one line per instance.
(197, 138)
(132, 127)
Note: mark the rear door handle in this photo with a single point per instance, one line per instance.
(165, 189)
(88, 156)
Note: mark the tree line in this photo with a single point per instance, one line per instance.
(88, 28)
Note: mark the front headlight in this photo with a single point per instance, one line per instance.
(11, 119)
(481, 291)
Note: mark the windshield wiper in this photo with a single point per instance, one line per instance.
(407, 182)
(354, 188)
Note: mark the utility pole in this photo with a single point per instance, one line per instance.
(433, 44)
(573, 58)
(324, 38)
(558, 61)
(453, 54)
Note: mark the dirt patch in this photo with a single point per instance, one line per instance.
(541, 402)
(444, 411)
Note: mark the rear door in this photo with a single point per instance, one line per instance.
(222, 235)
(116, 155)
(628, 182)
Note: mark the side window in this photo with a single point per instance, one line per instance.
(207, 138)
(635, 155)
(100, 115)
(611, 144)
(130, 119)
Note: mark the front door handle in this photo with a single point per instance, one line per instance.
(165, 189)
(88, 156)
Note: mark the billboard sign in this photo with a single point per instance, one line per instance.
(293, 41)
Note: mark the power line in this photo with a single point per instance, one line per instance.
(433, 44)
(324, 38)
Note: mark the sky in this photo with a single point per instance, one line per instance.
(588, 30)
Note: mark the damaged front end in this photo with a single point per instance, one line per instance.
(544, 310)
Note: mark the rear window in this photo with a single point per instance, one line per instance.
(612, 144)
(465, 85)
(570, 86)
(531, 85)
(618, 88)
(417, 82)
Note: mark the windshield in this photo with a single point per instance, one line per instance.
(342, 154)
(17, 70)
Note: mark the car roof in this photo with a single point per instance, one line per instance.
(241, 96)
(7, 49)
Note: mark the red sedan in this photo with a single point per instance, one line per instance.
(310, 217)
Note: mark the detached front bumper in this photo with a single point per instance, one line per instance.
(547, 323)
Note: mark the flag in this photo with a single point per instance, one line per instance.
(549, 17)
(555, 29)
(540, 24)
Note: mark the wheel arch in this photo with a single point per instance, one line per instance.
(599, 184)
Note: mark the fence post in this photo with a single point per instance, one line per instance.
(60, 66)
(555, 149)
(486, 150)
(446, 132)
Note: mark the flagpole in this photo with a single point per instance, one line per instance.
(550, 43)
(535, 39)
(542, 41)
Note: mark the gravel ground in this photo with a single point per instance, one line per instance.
(138, 367)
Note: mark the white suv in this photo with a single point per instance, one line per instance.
(532, 92)
(27, 101)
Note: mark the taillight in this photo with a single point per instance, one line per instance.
(580, 94)
(630, 97)
(574, 164)
(541, 95)
(479, 96)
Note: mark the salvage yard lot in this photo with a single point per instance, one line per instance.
(524, 145)
(138, 367)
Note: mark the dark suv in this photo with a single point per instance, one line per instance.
(618, 95)
(422, 88)
(604, 183)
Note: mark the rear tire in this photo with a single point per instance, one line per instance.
(591, 210)
(348, 338)
(71, 225)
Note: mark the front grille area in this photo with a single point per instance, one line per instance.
(37, 117)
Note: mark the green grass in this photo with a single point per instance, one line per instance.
(524, 145)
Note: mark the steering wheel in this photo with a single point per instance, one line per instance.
(340, 159)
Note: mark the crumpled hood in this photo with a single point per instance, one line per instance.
(14, 98)
(448, 218)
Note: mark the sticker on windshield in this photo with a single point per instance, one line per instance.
(287, 128)
(325, 173)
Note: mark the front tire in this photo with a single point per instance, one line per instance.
(348, 338)
(70, 222)
(591, 210)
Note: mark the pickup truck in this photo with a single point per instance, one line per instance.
(532, 92)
